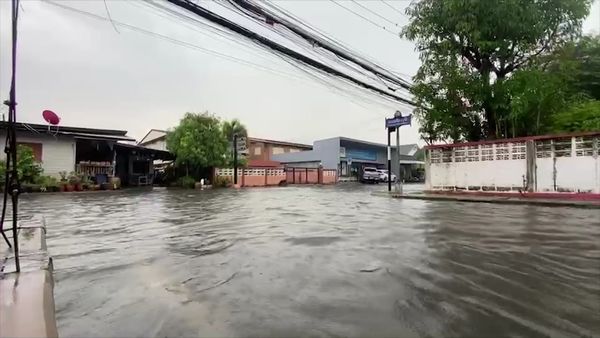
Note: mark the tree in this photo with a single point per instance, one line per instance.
(583, 116)
(469, 49)
(234, 127)
(198, 141)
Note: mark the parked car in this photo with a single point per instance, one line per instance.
(370, 175)
(383, 175)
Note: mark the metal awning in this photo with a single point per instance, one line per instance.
(87, 136)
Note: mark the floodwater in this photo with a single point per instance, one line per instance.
(318, 261)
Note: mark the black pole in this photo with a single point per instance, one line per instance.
(389, 157)
(234, 158)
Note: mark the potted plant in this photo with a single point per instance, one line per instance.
(72, 179)
(63, 181)
(86, 183)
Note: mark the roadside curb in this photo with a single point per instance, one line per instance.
(491, 199)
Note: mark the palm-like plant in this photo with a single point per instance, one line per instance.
(234, 127)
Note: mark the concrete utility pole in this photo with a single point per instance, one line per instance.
(398, 174)
(235, 167)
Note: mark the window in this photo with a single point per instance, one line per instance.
(257, 150)
(277, 150)
(294, 150)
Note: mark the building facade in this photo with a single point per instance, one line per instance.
(155, 139)
(87, 151)
(349, 156)
(263, 150)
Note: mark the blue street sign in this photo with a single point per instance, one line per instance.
(398, 121)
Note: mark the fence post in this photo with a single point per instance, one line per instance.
(530, 159)
(266, 178)
(294, 175)
(306, 173)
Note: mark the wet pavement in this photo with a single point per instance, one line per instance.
(318, 261)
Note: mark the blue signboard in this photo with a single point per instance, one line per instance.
(398, 121)
(360, 154)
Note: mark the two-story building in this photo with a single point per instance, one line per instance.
(264, 150)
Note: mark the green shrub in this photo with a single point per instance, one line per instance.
(48, 183)
(222, 182)
(28, 169)
(186, 182)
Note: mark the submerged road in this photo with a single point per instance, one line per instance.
(318, 261)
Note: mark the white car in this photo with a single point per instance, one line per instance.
(383, 175)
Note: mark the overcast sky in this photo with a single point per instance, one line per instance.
(93, 76)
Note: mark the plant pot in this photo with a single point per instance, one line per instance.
(78, 186)
(69, 187)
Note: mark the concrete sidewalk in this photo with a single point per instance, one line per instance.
(480, 198)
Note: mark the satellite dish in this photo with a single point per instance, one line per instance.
(51, 117)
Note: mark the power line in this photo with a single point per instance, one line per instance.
(374, 13)
(364, 18)
(357, 57)
(319, 42)
(278, 48)
(392, 7)
(175, 41)
(195, 47)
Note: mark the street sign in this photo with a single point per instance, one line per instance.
(398, 121)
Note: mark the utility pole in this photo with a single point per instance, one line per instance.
(398, 175)
(389, 158)
(235, 176)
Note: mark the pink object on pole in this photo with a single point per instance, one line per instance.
(51, 117)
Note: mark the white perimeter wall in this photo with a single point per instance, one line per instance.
(561, 165)
(58, 153)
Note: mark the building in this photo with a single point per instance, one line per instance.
(95, 153)
(349, 156)
(541, 164)
(264, 150)
(155, 139)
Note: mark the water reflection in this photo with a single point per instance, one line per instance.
(293, 261)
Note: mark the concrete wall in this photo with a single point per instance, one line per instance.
(254, 177)
(561, 164)
(58, 153)
(326, 152)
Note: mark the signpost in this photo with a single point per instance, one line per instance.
(392, 125)
(239, 149)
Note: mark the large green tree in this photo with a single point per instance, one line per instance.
(198, 141)
(470, 48)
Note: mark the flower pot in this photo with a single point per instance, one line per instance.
(69, 187)
(78, 186)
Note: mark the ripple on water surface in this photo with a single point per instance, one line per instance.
(322, 261)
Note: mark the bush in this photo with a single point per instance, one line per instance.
(28, 169)
(222, 182)
(186, 182)
(48, 183)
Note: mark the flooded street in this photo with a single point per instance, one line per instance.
(318, 261)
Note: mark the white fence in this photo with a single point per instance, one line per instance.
(249, 172)
(543, 164)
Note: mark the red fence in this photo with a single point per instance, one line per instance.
(310, 176)
(260, 177)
